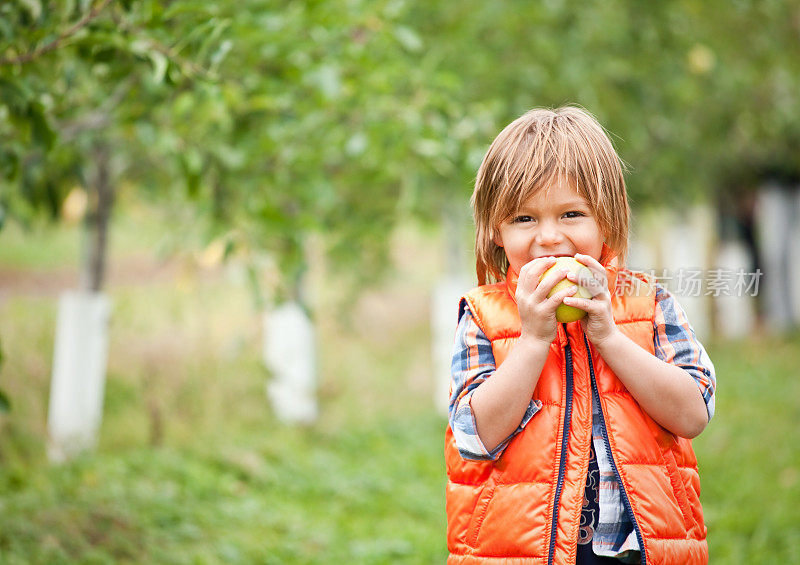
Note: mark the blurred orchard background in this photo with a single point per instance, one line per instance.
(233, 234)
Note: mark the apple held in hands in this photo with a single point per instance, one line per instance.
(564, 313)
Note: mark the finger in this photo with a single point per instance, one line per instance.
(591, 305)
(596, 284)
(547, 284)
(592, 276)
(591, 264)
(537, 267)
(589, 261)
(531, 272)
(561, 296)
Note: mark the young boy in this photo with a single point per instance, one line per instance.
(570, 442)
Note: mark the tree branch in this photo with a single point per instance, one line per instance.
(99, 118)
(56, 43)
(194, 68)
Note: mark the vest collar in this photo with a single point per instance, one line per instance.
(607, 259)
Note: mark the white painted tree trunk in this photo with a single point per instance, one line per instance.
(290, 355)
(79, 366)
(444, 318)
(646, 231)
(793, 242)
(448, 289)
(641, 257)
(685, 256)
(734, 310)
(81, 346)
(776, 218)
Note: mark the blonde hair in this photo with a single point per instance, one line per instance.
(539, 148)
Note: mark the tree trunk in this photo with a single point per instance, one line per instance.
(444, 303)
(778, 223)
(290, 354)
(81, 346)
(75, 411)
(98, 220)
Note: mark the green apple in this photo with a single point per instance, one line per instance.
(564, 313)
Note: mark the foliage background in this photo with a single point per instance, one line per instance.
(318, 148)
(280, 119)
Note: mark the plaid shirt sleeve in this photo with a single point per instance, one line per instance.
(473, 363)
(676, 343)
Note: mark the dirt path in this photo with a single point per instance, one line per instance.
(133, 270)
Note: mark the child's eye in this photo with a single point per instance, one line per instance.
(574, 214)
(521, 219)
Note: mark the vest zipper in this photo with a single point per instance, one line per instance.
(562, 467)
(625, 500)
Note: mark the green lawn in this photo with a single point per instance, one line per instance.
(749, 457)
(193, 468)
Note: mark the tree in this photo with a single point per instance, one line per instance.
(694, 92)
(75, 81)
(279, 119)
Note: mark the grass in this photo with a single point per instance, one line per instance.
(39, 245)
(748, 456)
(288, 497)
(192, 466)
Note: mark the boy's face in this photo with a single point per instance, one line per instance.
(555, 221)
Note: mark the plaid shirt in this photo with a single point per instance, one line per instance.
(473, 362)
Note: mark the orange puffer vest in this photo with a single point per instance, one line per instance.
(526, 506)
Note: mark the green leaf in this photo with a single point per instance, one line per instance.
(229, 156)
(408, 38)
(66, 8)
(220, 53)
(34, 8)
(15, 94)
(9, 164)
(356, 145)
(192, 165)
(327, 78)
(160, 64)
(6, 30)
(41, 132)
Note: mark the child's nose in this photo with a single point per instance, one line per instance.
(548, 234)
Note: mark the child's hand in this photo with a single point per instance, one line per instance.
(598, 325)
(537, 312)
